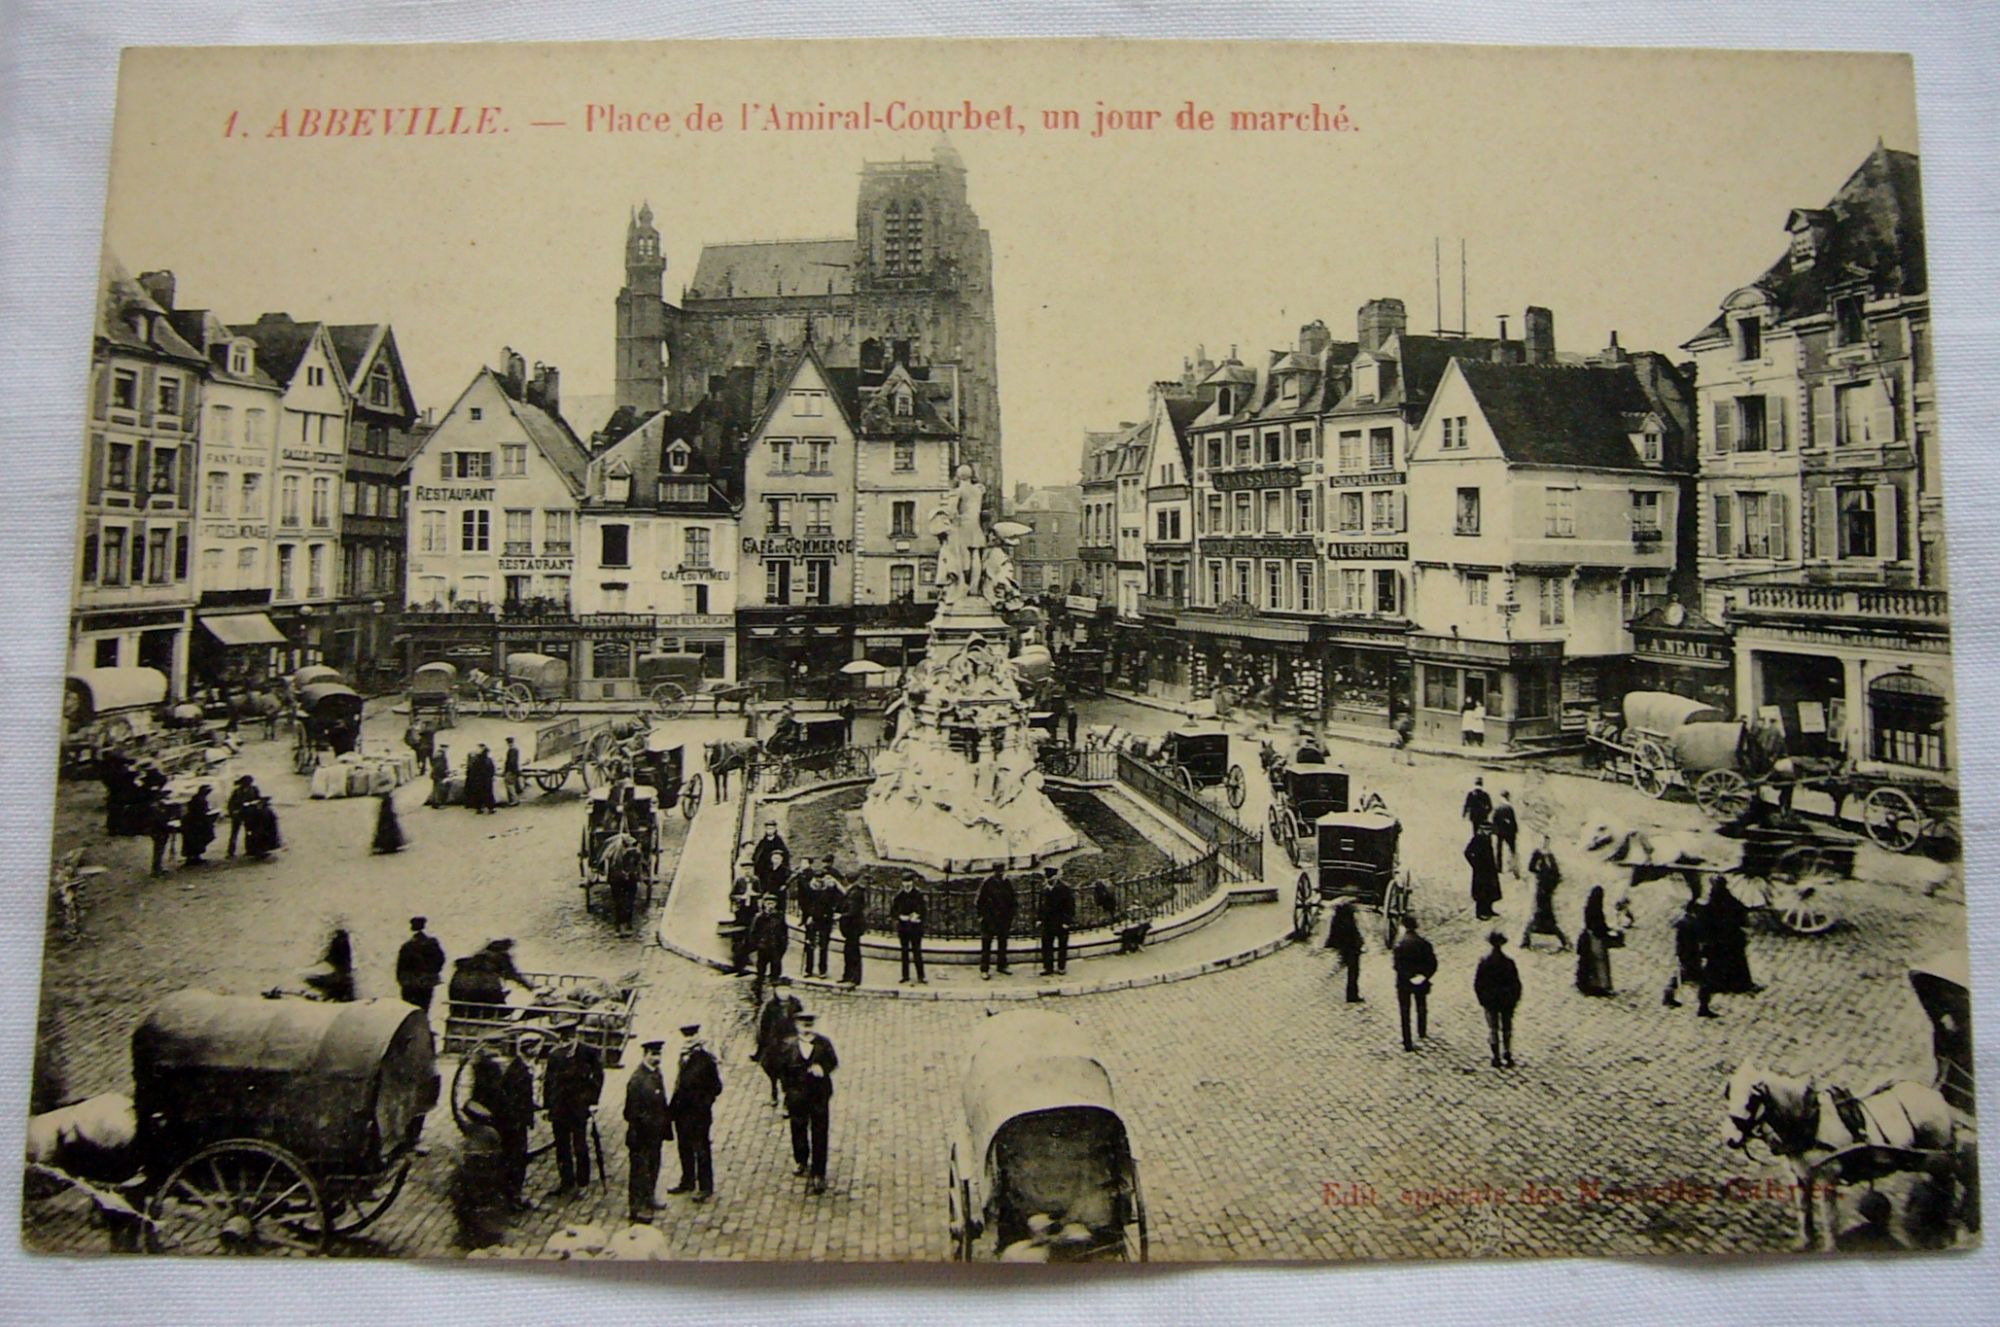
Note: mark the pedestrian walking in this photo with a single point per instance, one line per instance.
(572, 1082)
(770, 934)
(1593, 947)
(1416, 964)
(1506, 835)
(853, 925)
(1690, 926)
(1481, 854)
(1478, 802)
(163, 825)
(775, 1031)
(419, 965)
(333, 979)
(1547, 875)
(1726, 951)
(809, 1065)
(1070, 721)
(1496, 984)
(440, 777)
(1405, 728)
(197, 826)
(388, 826)
(647, 1128)
(1343, 937)
(511, 768)
(479, 780)
(910, 908)
(241, 795)
(691, 1110)
(995, 903)
(1058, 914)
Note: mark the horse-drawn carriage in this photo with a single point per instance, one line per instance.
(328, 718)
(1356, 855)
(806, 744)
(1300, 795)
(1197, 759)
(1042, 1169)
(659, 762)
(621, 830)
(675, 685)
(272, 1126)
(529, 685)
(1082, 671)
(434, 695)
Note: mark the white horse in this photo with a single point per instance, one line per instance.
(1638, 855)
(1806, 1123)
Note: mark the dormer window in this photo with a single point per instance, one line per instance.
(1749, 337)
(1651, 446)
(1225, 401)
(618, 483)
(1367, 381)
(905, 406)
(1849, 328)
(1288, 387)
(242, 360)
(677, 456)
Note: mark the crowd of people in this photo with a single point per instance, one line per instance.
(139, 800)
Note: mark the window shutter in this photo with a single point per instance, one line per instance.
(100, 390)
(1826, 524)
(1775, 504)
(1723, 436)
(149, 379)
(1885, 521)
(1882, 417)
(1777, 414)
(444, 465)
(186, 457)
(1402, 511)
(1822, 416)
(94, 480)
(142, 478)
(1889, 389)
(181, 554)
(1723, 547)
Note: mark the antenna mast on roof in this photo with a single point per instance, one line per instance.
(1437, 288)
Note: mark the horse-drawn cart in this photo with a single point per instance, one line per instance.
(568, 747)
(620, 833)
(328, 719)
(676, 686)
(1357, 855)
(272, 1126)
(434, 695)
(1300, 795)
(606, 1008)
(1198, 759)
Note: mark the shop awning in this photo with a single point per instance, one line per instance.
(244, 629)
(1245, 628)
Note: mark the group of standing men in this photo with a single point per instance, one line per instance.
(996, 904)
(686, 1114)
(482, 780)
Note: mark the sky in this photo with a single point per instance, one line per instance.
(1624, 190)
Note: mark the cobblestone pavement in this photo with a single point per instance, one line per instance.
(1271, 1120)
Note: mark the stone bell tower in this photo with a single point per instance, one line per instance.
(642, 317)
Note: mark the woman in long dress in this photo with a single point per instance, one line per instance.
(1547, 875)
(1726, 951)
(388, 827)
(1482, 856)
(1593, 947)
(197, 827)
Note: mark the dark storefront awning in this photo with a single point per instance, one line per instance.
(244, 629)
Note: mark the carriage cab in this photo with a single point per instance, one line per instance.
(1300, 795)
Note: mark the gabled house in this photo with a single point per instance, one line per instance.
(383, 428)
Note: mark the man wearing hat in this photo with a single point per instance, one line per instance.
(770, 849)
(516, 1117)
(440, 776)
(697, 1083)
(909, 908)
(572, 1081)
(1058, 914)
(809, 1064)
(769, 936)
(419, 965)
(995, 905)
(647, 1126)
(240, 797)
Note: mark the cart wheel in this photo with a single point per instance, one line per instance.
(669, 699)
(967, 1238)
(691, 797)
(1395, 907)
(1293, 838)
(1305, 907)
(1723, 793)
(1801, 913)
(239, 1196)
(358, 1208)
(1275, 822)
(1061, 760)
(1651, 768)
(1893, 819)
(1233, 784)
(1138, 1219)
(1184, 777)
(548, 783)
(517, 703)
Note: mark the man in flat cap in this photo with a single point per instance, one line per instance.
(419, 965)
(809, 1065)
(697, 1083)
(647, 1127)
(572, 1081)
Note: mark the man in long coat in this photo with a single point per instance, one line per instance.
(761, 856)
(571, 1084)
(1482, 855)
(419, 965)
(910, 909)
(995, 904)
(1058, 914)
(770, 934)
(647, 1128)
(808, 1077)
(1415, 963)
(516, 1118)
(697, 1083)
(441, 776)
(1496, 984)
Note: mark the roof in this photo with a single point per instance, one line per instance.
(121, 688)
(774, 267)
(205, 331)
(1029, 1060)
(281, 343)
(643, 452)
(122, 302)
(1421, 361)
(931, 405)
(355, 345)
(1559, 414)
(551, 434)
(1875, 236)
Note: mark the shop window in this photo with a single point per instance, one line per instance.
(610, 659)
(1906, 721)
(1468, 512)
(1388, 592)
(1537, 692)
(1441, 687)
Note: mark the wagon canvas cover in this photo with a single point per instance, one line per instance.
(1518, 427)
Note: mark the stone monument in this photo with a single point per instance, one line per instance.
(958, 787)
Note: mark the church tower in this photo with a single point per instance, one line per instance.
(642, 332)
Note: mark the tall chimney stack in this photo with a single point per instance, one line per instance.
(545, 389)
(159, 287)
(1538, 333)
(760, 381)
(1314, 338)
(1378, 320)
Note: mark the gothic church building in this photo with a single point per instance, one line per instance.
(914, 282)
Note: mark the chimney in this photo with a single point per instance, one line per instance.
(1538, 332)
(1314, 338)
(159, 286)
(514, 372)
(1613, 354)
(760, 381)
(545, 390)
(1378, 320)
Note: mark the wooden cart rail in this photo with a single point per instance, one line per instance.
(607, 1026)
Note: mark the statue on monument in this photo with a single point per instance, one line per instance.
(959, 523)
